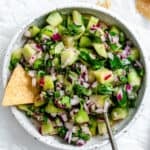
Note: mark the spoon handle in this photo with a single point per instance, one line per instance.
(111, 137)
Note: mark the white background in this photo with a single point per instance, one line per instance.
(13, 14)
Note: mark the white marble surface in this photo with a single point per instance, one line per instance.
(13, 14)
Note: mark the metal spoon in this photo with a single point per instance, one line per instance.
(111, 137)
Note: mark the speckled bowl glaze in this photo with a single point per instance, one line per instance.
(106, 16)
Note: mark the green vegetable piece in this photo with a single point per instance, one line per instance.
(104, 89)
(119, 113)
(48, 30)
(123, 102)
(62, 131)
(99, 100)
(115, 63)
(68, 41)
(15, 58)
(100, 49)
(93, 21)
(66, 101)
(54, 19)
(81, 117)
(48, 83)
(28, 51)
(134, 54)
(102, 130)
(114, 30)
(77, 17)
(34, 30)
(39, 103)
(93, 126)
(59, 47)
(38, 64)
(84, 136)
(85, 42)
(133, 78)
(81, 90)
(68, 57)
(122, 37)
(25, 108)
(47, 128)
(51, 108)
(104, 75)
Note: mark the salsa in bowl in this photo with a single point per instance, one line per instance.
(78, 62)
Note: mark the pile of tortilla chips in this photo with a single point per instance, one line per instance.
(19, 89)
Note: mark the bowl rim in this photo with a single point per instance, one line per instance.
(84, 6)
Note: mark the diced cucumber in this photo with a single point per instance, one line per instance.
(25, 108)
(68, 57)
(34, 30)
(47, 128)
(102, 129)
(134, 54)
(114, 30)
(39, 103)
(56, 62)
(91, 77)
(81, 117)
(93, 126)
(77, 18)
(48, 30)
(93, 21)
(16, 54)
(52, 109)
(81, 31)
(59, 47)
(104, 75)
(69, 87)
(48, 83)
(28, 51)
(119, 113)
(68, 41)
(99, 100)
(85, 42)
(100, 49)
(133, 78)
(54, 19)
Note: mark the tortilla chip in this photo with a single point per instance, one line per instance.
(143, 6)
(19, 89)
(104, 3)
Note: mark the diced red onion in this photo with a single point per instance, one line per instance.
(73, 111)
(80, 142)
(69, 125)
(119, 95)
(99, 110)
(56, 37)
(95, 27)
(94, 84)
(128, 88)
(115, 39)
(86, 108)
(68, 136)
(64, 117)
(75, 100)
(32, 59)
(37, 47)
(34, 82)
(32, 73)
(85, 84)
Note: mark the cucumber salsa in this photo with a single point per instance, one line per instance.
(78, 63)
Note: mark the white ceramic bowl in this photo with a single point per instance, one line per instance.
(105, 16)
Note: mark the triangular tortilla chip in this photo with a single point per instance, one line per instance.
(19, 89)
